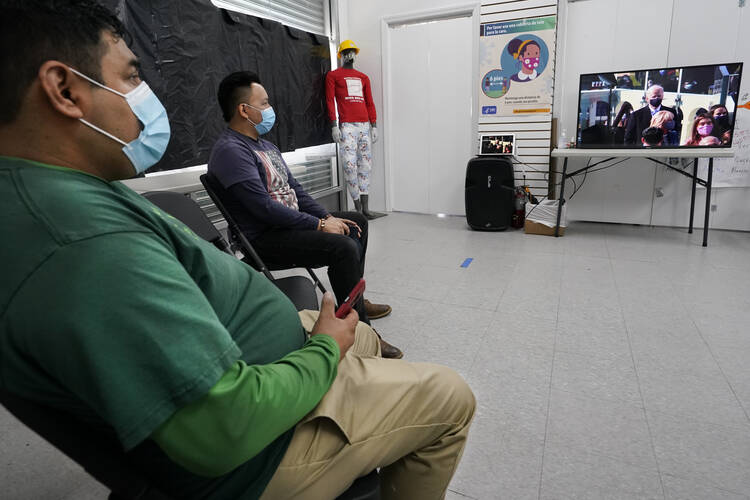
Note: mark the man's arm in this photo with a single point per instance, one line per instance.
(248, 409)
(260, 205)
(250, 190)
(252, 405)
(306, 202)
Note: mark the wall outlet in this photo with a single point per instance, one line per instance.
(713, 207)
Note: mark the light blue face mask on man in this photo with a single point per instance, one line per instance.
(148, 148)
(268, 118)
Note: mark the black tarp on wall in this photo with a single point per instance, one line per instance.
(187, 47)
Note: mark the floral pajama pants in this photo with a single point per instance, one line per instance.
(356, 154)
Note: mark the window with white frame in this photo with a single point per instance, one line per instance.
(307, 15)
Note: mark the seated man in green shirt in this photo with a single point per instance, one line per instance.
(117, 313)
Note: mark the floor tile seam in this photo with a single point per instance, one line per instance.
(710, 485)
(462, 494)
(551, 376)
(620, 460)
(502, 296)
(591, 354)
(721, 369)
(627, 402)
(478, 350)
(477, 308)
(694, 420)
(708, 480)
(638, 381)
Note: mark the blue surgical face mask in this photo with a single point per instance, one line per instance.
(148, 148)
(268, 118)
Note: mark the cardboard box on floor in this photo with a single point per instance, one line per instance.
(541, 218)
(530, 227)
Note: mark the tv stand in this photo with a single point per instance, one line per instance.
(650, 154)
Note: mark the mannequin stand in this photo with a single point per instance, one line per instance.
(360, 206)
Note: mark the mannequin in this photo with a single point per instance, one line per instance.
(356, 128)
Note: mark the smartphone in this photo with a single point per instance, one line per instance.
(351, 299)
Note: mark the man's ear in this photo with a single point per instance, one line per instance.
(63, 88)
(241, 111)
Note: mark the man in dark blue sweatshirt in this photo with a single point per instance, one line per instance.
(285, 225)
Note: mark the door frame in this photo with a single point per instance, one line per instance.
(466, 10)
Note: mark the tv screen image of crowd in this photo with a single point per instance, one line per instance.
(497, 145)
(691, 106)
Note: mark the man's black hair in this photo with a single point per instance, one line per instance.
(232, 91)
(653, 136)
(35, 31)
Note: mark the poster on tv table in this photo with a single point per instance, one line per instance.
(515, 65)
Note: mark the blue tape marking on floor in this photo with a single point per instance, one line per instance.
(467, 262)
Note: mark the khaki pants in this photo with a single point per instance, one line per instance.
(410, 419)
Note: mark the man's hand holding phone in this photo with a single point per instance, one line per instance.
(342, 330)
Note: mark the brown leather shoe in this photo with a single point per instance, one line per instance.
(375, 311)
(387, 350)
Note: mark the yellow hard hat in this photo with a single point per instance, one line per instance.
(348, 44)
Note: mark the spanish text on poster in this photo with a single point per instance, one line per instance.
(514, 62)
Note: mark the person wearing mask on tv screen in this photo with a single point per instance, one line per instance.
(709, 140)
(652, 137)
(701, 112)
(665, 121)
(623, 116)
(641, 119)
(702, 127)
(722, 127)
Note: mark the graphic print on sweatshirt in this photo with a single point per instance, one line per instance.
(354, 89)
(277, 179)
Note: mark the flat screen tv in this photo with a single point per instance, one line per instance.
(688, 106)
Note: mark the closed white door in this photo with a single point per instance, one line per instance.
(430, 115)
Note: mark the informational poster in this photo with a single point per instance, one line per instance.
(733, 172)
(515, 70)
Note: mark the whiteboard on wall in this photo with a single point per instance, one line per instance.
(734, 172)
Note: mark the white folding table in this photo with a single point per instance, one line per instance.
(650, 154)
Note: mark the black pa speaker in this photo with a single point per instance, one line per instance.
(490, 193)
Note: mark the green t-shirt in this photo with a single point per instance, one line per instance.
(114, 311)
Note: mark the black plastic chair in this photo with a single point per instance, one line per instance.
(300, 290)
(101, 455)
(98, 452)
(217, 192)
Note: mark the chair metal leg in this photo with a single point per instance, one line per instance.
(316, 280)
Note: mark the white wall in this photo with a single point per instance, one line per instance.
(360, 20)
(608, 35)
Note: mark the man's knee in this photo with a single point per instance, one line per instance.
(346, 250)
(359, 218)
(453, 389)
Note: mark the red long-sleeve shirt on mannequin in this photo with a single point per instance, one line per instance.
(351, 89)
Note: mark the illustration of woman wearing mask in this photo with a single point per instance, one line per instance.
(528, 54)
